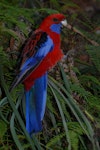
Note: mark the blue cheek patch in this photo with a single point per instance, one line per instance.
(56, 28)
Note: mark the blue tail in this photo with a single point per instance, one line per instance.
(35, 105)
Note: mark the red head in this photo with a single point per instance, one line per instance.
(54, 19)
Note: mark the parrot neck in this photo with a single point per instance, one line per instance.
(54, 32)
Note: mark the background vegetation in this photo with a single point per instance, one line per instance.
(72, 118)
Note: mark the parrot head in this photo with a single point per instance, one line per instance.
(54, 23)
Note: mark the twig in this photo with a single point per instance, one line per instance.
(80, 33)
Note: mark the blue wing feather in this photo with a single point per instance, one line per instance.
(41, 53)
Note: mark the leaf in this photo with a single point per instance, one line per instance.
(74, 140)
(3, 58)
(10, 31)
(3, 128)
(62, 116)
(81, 118)
(4, 86)
(54, 140)
(94, 52)
(50, 106)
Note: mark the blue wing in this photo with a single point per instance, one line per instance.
(32, 55)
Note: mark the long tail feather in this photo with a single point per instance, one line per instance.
(35, 104)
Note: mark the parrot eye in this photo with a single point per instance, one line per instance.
(55, 20)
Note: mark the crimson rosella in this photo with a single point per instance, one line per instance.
(41, 52)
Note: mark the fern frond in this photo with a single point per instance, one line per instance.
(4, 60)
(54, 140)
(94, 53)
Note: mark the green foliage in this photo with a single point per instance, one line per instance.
(3, 128)
(52, 143)
(69, 122)
(4, 60)
(94, 53)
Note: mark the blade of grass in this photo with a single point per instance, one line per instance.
(3, 102)
(12, 128)
(76, 111)
(90, 129)
(54, 122)
(66, 82)
(83, 144)
(68, 102)
(63, 118)
(3, 84)
(36, 142)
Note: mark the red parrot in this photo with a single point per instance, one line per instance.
(41, 52)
